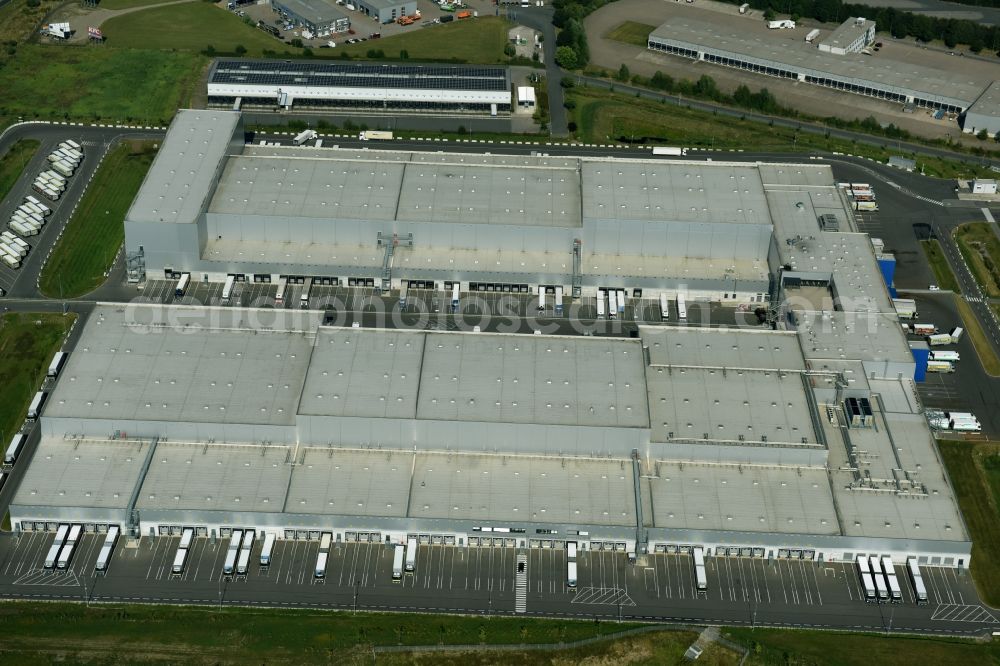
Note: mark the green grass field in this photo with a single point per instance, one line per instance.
(984, 350)
(92, 237)
(631, 32)
(188, 27)
(27, 343)
(205, 635)
(91, 83)
(602, 115)
(479, 40)
(12, 164)
(127, 4)
(976, 490)
(774, 646)
(939, 265)
(981, 249)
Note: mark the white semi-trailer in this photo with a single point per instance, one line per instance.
(66, 552)
(701, 579)
(265, 551)
(303, 136)
(917, 579)
(244, 559)
(107, 548)
(398, 553)
(229, 566)
(411, 555)
(53, 554)
(35, 408)
(56, 365)
(13, 449)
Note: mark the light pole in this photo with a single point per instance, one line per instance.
(356, 583)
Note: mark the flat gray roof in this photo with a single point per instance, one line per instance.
(722, 348)
(988, 103)
(82, 473)
(752, 406)
(182, 175)
(317, 11)
(673, 192)
(216, 477)
(862, 336)
(904, 78)
(364, 190)
(741, 498)
(175, 373)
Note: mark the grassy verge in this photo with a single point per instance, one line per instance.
(974, 469)
(12, 164)
(182, 634)
(939, 265)
(776, 646)
(981, 249)
(92, 237)
(602, 115)
(27, 343)
(89, 83)
(665, 647)
(480, 40)
(189, 27)
(631, 32)
(988, 357)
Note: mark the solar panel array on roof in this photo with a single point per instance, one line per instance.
(361, 75)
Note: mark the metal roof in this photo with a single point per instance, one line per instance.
(988, 104)
(350, 188)
(178, 184)
(350, 482)
(901, 77)
(360, 75)
(82, 473)
(737, 406)
(180, 373)
(674, 191)
(741, 498)
(862, 336)
(722, 348)
(314, 11)
(216, 477)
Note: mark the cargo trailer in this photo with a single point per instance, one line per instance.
(375, 135)
(571, 574)
(571, 550)
(244, 559)
(398, 552)
(107, 548)
(924, 329)
(73, 144)
(943, 355)
(186, 536)
(22, 228)
(906, 308)
(227, 290)
(664, 307)
(18, 241)
(938, 339)
(35, 408)
(940, 366)
(956, 333)
(324, 541)
(11, 261)
(895, 593)
(180, 560)
(53, 554)
(63, 168)
(279, 296)
(682, 311)
(182, 284)
(265, 551)
(612, 304)
(12, 252)
(877, 576)
(870, 591)
(404, 290)
(232, 552)
(454, 296)
(917, 580)
(33, 208)
(56, 365)
(14, 449)
(320, 571)
(303, 136)
(558, 303)
(66, 552)
(671, 151)
(701, 580)
(411, 555)
(600, 304)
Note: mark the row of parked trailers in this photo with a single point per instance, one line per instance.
(34, 409)
(404, 559)
(63, 162)
(861, 195)
(61, 551)
(880, 583)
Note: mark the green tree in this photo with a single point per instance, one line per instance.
(566, 57)
(768, 14)
(296, 42)
(623, 73)
(567, 82)
(509, 50)
(982, 135)
(404, 55)
(240, 50)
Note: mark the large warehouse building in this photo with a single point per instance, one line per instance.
(881, 78)
(807, 441)
(362, 87)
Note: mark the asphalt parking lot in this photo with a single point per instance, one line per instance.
(484, 580)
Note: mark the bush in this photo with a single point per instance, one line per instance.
(404, 55)
(566, 58)
(296, 42)
(567, 82)
(623, 73)
(570, 104)
(240, 50)
(509, 50)
(33, 3)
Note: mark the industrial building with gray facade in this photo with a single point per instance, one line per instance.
(833, 63)
(803, 441)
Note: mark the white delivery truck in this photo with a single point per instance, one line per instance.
(303, 136)
(571, 574)
(411, 555)
(671, 151)
(375, 135)
(398, 553)
(265, 551)
(56, 365)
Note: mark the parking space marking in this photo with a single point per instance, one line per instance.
(964, 613)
